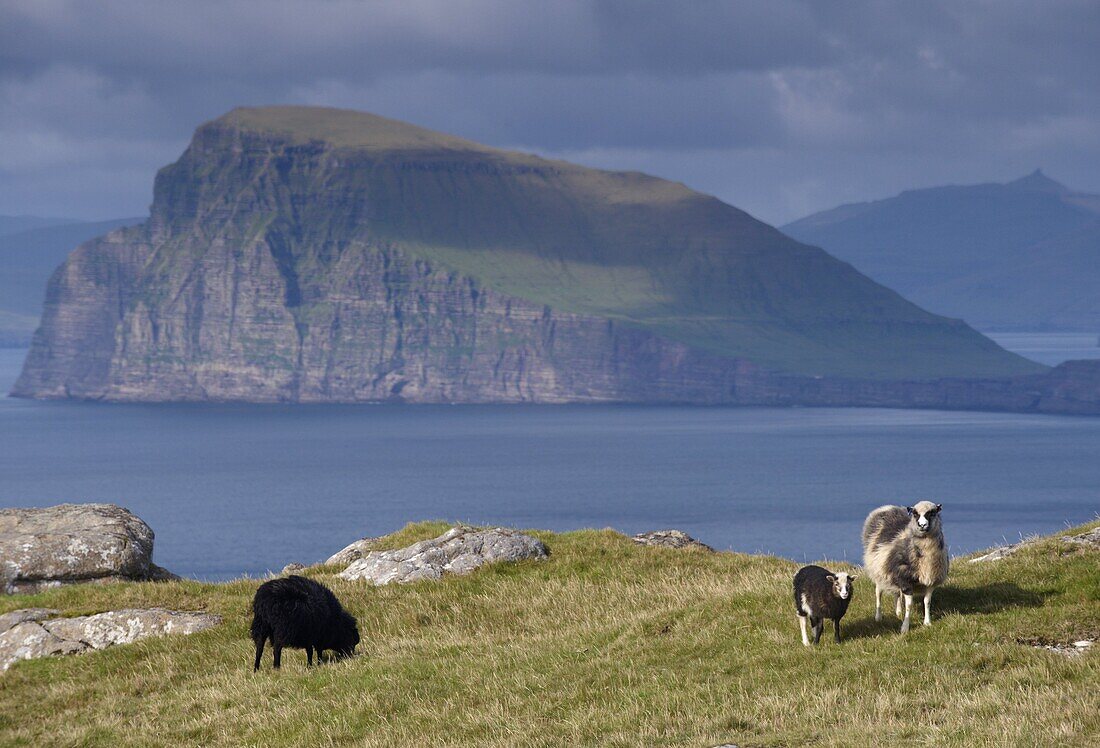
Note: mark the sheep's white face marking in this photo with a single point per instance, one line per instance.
(842, 585)
(924, 515)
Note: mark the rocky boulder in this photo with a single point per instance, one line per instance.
(70, 543)
(460, 550)
(27, 634)
(669, 539)
(353, 552)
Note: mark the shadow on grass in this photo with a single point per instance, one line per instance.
(862, 628)
(988, 598)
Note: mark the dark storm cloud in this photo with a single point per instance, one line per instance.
(780, 107)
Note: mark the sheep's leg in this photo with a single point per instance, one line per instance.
(802, 625)
(278, 654)
(878, 603)
(836, 630)
(897, 607)
(908, 608)
(309, 656)
(259, 653)
(819, 626)
(928, 608)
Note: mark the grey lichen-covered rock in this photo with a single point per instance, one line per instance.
(1064, 648)
(10, 620)
(1071, 649)
(353, 552)
(669, 539)
(27, 634)
(460, 550)
(67, 543)
(292, 568)
(1089, 539)
(996, 554)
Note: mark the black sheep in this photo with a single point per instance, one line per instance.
(300, 613)
(821, 594)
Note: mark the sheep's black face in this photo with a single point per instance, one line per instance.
(924, 517)
(349, 637)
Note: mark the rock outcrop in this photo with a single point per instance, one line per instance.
(1088, 540)
(460, 550)
(309, 255)
(1002, 551)
(353, 551)
(669, 539)
(71, 543)
(30, 633)
(1069, 649)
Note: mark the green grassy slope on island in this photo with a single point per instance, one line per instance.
(606, 643)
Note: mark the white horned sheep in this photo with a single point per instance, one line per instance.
(904, 552)
(821, 594)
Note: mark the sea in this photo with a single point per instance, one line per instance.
(242, 490)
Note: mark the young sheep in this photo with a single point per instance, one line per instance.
(904, 553)
(821, 594)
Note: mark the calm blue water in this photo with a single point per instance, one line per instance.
(231, 490)
(1049, 348)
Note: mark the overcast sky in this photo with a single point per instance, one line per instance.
(781, 108)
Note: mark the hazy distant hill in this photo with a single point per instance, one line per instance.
(27, 258)
(1018, 256)
(309, 254)
(15, 224)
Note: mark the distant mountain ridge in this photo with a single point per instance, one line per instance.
(1018, 256)
(16, 224)
(30, 251)
(307, 254)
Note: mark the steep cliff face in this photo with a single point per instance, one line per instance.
(390, 328)
(295, 254)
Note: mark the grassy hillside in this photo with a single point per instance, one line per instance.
(1016, 256)
(621, 245)
(606, 643)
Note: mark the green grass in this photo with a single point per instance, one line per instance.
(606, 643)
(343, 128)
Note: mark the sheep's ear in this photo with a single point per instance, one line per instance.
(853, 577)
(831, 577)
(910, 510)
(939, 507)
